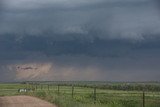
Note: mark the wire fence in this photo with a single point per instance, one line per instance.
(96, 95)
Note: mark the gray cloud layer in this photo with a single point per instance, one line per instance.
(113, 19)
(110, 39)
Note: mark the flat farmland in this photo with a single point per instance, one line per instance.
(80, 96)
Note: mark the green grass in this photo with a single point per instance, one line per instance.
(10, 89)
(84, 97)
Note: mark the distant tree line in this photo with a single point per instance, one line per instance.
(103, 85)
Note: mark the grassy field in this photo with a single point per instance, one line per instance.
(10, 89)
(65, 96)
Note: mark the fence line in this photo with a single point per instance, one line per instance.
(42, 86)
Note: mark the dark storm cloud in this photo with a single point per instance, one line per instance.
(74, 39)
(1, 6)
(157, 2)
(81, 17)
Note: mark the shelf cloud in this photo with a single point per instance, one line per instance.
(115, 40)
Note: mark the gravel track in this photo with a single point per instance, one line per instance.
(23, 101)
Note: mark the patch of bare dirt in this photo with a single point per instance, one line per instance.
(23, 101)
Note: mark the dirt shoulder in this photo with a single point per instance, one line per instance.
(23, 101)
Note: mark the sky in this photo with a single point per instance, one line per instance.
(92, 40)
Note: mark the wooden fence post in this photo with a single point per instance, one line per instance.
(143, 99)
(31, 86)
(58, 89)
(72, 90)
(41, 86)
(51, 86)
(27, 86)
(36, 87)
(94, 95)
(48, 87)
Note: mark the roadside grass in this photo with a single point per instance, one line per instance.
(10, 89)
(83, 97)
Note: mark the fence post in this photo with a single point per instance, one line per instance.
(72, 90)
(48, 87)
(41, 86)
(27, 86)
(143, 98)
(31, 86)
(36, 87)
(94, 95)
(58, 89)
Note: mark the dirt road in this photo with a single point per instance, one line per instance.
(23, 101)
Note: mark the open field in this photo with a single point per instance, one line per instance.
(77, 96)
(10, 89)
